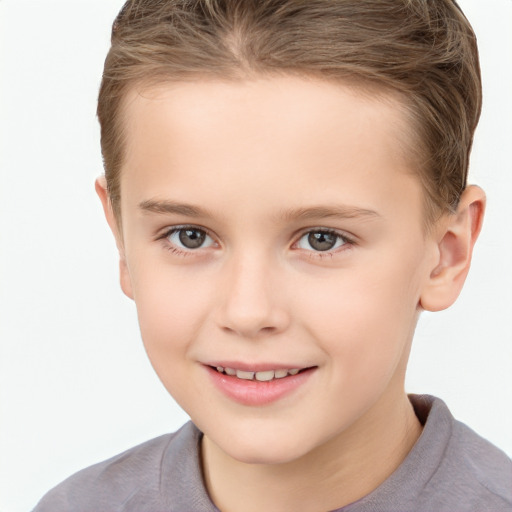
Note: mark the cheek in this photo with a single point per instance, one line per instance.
(364, 319)
(171, 306)
(170, 312)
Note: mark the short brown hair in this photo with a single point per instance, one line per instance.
(424, 50)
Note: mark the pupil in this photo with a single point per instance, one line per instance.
(192, 238)
(322, 241)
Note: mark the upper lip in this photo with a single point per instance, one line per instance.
(256, 367)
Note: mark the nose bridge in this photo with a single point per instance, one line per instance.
(251, 301)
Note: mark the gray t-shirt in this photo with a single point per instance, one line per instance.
(450, 468)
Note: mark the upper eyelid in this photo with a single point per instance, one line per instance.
(342, 234)
(165, 232)
(162, 233)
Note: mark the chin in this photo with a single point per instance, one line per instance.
(265, 450)
(259, 458)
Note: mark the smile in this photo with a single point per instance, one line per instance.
(258, 386)
(264, 376)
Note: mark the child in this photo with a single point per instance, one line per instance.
(286, 183)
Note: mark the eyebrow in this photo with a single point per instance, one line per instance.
(313, 212)
(328, 212)
(170, 207)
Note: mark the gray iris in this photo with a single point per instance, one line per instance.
(192, 238)
(321, 241)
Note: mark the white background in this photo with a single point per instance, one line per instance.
(75, 384)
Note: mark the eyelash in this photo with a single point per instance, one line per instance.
(173, 249)
(348, 242)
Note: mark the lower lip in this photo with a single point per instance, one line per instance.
(253, 392)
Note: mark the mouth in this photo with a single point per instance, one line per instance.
(260, 376)
(259, 386)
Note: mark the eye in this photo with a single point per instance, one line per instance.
(189, 238)
(321, 240)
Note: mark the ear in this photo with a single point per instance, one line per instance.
(456, 238)
(124, 274)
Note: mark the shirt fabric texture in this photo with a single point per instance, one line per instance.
(449, 469)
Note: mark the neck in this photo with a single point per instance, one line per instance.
(340, 472)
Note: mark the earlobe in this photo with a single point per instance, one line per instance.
(124, 275)
(456, 237)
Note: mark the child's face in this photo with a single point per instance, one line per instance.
(273, 225)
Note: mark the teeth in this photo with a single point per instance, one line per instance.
(265, 376)
(259, 376)
(244, 375)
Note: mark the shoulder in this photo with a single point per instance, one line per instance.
(486, 468)
(132, 479)
(472, 473)
(450, 468)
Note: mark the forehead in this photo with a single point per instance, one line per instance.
(288, 104)
(235, 139)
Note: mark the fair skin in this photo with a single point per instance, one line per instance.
(304, 249)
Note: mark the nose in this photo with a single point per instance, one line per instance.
(253, 304)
